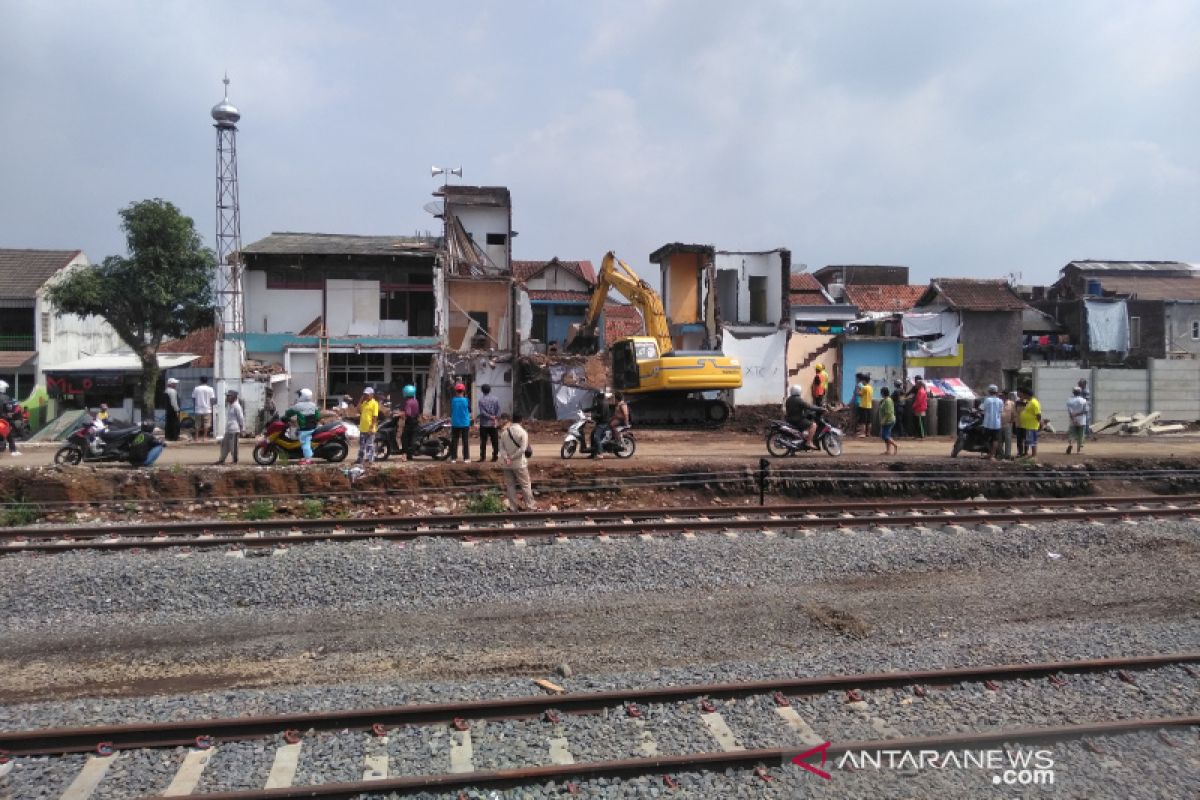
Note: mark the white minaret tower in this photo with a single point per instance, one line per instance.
(230, 304)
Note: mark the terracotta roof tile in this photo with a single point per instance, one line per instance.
(524, 270)
(805, 282)
(560, 295)
(621, 320)
(200, 342)
(883, 297)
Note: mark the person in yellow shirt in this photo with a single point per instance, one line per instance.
(368, 423)
(1029, 421)
(866, 395)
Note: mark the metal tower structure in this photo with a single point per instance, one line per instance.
(231, 322)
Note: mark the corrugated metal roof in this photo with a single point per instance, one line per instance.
(883, 296)
(340, 244)
(119, 362)
(23, 272)
(1132, 266)
(968, 294)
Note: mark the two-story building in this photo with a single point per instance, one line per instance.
(735, 301)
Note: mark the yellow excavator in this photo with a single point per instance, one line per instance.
(661, 384)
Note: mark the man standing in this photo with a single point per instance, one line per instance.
(920, 404)
(368, 421)
(202, 407)
(514, 443)
(412, 416)
(866, 404)
(489, 418)
(1077, 412)
(235, 423)
(9, 414)
(993, 418)
(1008, 420)
(460, 423)
(172, 410)
(1030, 420)
(267, 412)
(820, 383)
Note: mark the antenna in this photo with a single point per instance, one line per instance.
(435, 207)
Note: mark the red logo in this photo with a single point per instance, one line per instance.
(799, 760)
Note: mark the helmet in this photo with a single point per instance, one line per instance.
(458, 387)
(306, 394)
(3, 386)
(819, 367)
(172, 381)
(369, 390)
(410, 391)
(993, 389)
(794, 391)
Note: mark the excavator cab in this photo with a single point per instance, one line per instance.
(625, 373)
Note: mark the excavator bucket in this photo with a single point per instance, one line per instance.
(582, 339)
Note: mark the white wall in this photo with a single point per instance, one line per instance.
(767, 265)
(479, 222)
(353, 308)
(1052, 387)
(1169, 386)
(559, 279)
(1175, 388)
(499, 377)
(70, 336)
(279, 310)
(302, 366)
(764, 367)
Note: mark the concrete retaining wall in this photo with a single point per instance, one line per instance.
(1169, 386)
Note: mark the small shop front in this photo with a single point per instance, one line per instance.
(113, 379)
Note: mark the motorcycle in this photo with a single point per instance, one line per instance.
(972, 436)
(328, 442)
(429, 439)
(578, 439)
(785, 439)
(91, 442)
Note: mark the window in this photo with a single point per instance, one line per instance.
(496, 238)
(411, 301)
(1135, 332)
(293, 279)
(1196, 329)
(540, 330)
(480, 339)
(46, 327)
(350, 372)
(758, 299)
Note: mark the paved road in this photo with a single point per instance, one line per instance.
(685, 447)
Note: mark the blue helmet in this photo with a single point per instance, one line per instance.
(410, 391)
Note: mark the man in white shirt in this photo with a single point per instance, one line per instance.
(202, 408)
(993, 411)
(1077, 414)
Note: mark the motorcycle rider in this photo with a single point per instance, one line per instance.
(307, 415)
(602, 433)
(10, 414)
(800, 415)
(145, 448)
(412, 416)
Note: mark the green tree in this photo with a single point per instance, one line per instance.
(163, 289)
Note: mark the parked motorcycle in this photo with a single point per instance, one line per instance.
(328, 442)
(578, 439)
(785, 439)
(972, 436)
(429, 439)
(110, 443)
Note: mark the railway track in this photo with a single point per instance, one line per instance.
(782, 518)
(751, 726)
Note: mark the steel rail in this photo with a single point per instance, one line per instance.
(738, 759)
(445, 520)
(48, 741)
(612, 529)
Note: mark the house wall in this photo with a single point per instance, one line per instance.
(1179, 317)
(279, 310)
(499, 377)
(991, 347)
(68, 336)
(764, 367)
(747, 266)
(353, 309)
(490, 297)
(302, 367)
(800, 349)
(882, 358)
(681, 288)
(559, 279)
(479, 222)
(558, 325)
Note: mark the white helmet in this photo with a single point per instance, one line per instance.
(3, 386)
(794, 391)
(306, 394)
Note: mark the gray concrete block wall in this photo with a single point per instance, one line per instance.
(1175, 389)
(1052, 387)
(1120, 391)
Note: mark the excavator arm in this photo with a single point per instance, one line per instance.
(616, 274)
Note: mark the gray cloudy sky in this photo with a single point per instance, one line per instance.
(960, 138)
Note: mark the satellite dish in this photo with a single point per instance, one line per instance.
(435, 207)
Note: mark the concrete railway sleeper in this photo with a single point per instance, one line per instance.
(750, 726)
(610, 522)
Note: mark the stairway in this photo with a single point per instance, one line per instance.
(811, 358)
